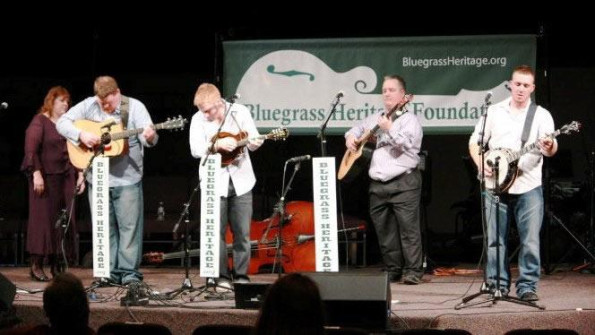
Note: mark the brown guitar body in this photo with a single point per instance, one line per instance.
(80, 155)
(355, 163)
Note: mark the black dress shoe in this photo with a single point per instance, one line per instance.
(55, 269)
(394, 277)
(36, 277)
(412, 280)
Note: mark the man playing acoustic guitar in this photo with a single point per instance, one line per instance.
(237, 178)
(395, 186)
(126, 208)
(523, 200)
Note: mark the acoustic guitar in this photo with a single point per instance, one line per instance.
(112, 138)
(354, 163)
(507, 160)
(227, 157)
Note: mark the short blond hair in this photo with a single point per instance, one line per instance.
(206, 94)
(524, 69)
(104, 86)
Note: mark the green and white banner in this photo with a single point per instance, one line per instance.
(294, 83)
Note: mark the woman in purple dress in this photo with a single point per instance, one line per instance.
(52, 180)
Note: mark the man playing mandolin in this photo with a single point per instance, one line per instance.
(237, 178)
(395, 186)
(523, 199)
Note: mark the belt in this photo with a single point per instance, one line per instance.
(395, 178)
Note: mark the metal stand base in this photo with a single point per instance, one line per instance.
(493, 298)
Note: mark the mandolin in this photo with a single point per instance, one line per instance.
(227, 157)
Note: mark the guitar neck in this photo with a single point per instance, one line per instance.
(245, 141)
(132, 132)
(196, 252)
(126, 134)
(180, 254)
(517, 155)
(301, 238)
(393, 116)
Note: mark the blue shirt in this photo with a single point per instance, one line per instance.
(126, 169)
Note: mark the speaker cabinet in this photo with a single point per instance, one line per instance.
(7, 292)
(250, 295)
(355, 300)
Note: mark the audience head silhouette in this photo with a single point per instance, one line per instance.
(66, 306)
(292, 306)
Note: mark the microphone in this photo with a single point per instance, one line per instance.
(340, 95)
(234, 97)
(299, 159)
(493, 163)
(488, 97)
(3, 105)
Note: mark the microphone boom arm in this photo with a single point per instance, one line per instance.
(321, 134)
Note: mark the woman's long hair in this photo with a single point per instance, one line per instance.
(48, 101)
(292, 307)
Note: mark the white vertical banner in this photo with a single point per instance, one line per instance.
(325, 214)
(210, 216)
(100, 217)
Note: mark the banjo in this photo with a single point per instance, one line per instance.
(507, 160)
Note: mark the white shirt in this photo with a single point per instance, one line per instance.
(240, 171)
(504, 130)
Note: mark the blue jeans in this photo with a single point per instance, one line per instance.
(527, 210)
(126, 220)
(237, 210)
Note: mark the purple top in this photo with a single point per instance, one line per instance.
(45, 148)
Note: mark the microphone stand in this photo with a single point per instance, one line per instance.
(322, 137)
(591, 237)
(482, 191)
(321, 134)
(280, 209)
(216, 136)
(184, 215)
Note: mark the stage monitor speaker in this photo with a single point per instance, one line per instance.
(7, 292)
(250, 295)
(355, 300)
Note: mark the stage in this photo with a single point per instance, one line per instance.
(568, 298)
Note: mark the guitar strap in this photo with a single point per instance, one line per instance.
(528, 123)
(124, 111)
